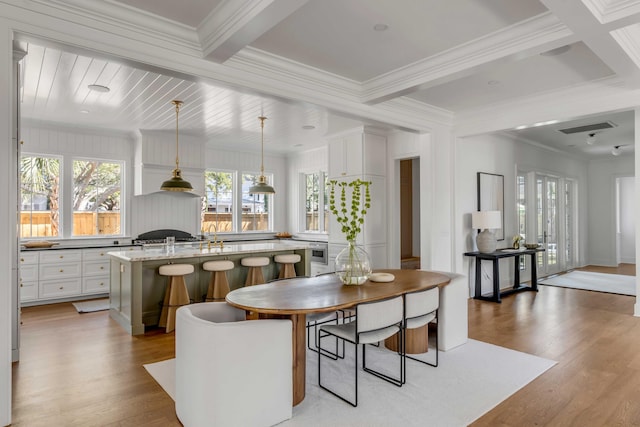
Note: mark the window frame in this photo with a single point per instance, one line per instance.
(323, 194)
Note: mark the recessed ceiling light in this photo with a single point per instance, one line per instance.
(380, 27)
(99, 88)
(85, 111)
(557, 51)
(308, 127)
(521, 127)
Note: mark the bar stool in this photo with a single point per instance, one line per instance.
(176, 294)
(218, 284)
(288, 269)
(255, 264)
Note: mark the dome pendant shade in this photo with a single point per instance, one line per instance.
(176, 183)
(261, 187)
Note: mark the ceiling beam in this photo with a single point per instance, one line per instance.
(598, 37)
(234, 24)
(530, 37)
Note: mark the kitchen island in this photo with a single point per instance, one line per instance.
(137, 290)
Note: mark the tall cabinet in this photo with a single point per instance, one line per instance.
(361, 153)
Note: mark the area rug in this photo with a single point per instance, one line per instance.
(469, 381)
(92, 305)
(601, 282)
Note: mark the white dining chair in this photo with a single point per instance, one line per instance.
(374, 321)
(420, 309)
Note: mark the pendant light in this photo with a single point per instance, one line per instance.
(261, 187)
(176, 183)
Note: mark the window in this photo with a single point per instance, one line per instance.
(229, 208)
(316, 201)
(521, 206)
(39, 196)
(97, 190)
(93, 197)
(218, 209)
(255, 207)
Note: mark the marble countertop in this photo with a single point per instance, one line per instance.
(193, 250)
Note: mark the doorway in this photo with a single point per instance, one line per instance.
(625, 220)
(410, 214)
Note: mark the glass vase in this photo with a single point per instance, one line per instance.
(353, 265)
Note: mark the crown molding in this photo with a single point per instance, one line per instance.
(595, 97)
(608, 11)
(536, 35)
(629, 40)
(224, 21)
(128, 20)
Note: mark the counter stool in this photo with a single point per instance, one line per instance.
(288, 269)
(218, 284)
(255, 264)
(176, 294)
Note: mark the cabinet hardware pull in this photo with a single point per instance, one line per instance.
(21, 285)
(61, 270)
(21, 259)
(61, 256)
(102, 267)
(101, 283)
(61, 287)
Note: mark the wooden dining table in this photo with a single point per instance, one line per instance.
(295, 298)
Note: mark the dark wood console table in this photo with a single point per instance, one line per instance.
(495, 257)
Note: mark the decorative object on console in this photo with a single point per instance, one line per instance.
(486, 221)
(176, 183)
(516, 241)
(261, 187)
(353, 265)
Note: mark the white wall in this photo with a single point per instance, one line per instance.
(503, 155)
(602, 207)
(627, 223)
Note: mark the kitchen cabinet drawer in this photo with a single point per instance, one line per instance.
(57, 256)
(28, 291)
(96, 254)
(59, 288)
(95, 268)
(95, 285)
(28, 258)
(29, 272)
(60, 270)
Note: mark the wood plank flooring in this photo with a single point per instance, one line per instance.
(84, 370)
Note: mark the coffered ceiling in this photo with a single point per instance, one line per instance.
(452, 57)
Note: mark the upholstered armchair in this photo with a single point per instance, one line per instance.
(230, 371)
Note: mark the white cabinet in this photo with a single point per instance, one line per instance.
(67, 274)
(95, 271)
(28, 276)
(357, 152)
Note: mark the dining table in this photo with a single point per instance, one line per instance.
(296, 297)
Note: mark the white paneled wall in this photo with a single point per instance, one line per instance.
(305, 162)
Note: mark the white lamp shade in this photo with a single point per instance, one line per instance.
(483, 220)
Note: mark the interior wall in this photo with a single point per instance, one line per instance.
(503, 155)
(602, 207)
(626, 218)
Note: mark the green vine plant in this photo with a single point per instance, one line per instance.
(351, 218)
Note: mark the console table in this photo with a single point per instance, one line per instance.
(495, 257)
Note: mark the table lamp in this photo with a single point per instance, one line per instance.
(487, 221)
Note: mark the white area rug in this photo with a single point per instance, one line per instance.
(601, 282)
(470, 381)
(91, 306)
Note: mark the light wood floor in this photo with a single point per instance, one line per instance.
(84, 370)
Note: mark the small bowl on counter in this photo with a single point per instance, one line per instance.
(39, 244)
(531, 245)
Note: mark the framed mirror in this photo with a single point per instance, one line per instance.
(491, 196)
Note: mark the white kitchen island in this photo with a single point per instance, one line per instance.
(137, 290)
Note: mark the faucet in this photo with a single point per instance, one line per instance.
(215, 237)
